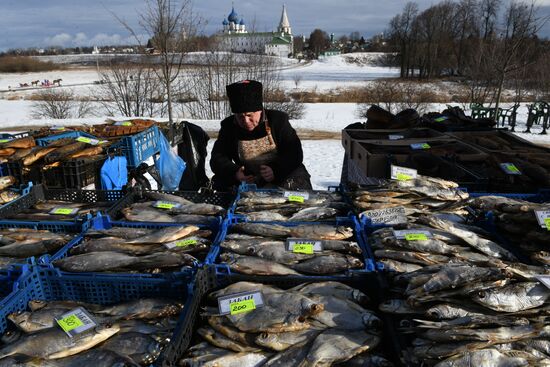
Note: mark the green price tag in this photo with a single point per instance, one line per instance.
(84, 139)
(70, 323)
(296, 198)
(165, 205)
(63, 211)
(126, 123)
(512, 168)
(416, 237)
(303, 248)
(426, 146)
(440, 119)
(242, 306)
(186, 243)
(4, 140)
(547, 223)
(403, 177)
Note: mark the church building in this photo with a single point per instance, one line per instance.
(234, 37)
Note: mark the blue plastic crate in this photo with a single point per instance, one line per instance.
(139, 147)
(223, 270)
(104, 222)
(41, 283)
(68, 134)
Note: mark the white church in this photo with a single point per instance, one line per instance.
(234, 37)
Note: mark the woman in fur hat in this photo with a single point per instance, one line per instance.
(255, 145)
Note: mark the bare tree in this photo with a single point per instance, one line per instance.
(59, 104)
(131, 89)
(172, 25)
(297, 79)
(318, 42)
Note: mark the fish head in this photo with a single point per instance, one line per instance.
(37, 304)
(105, 331)
(437, 312)
(11, 336)
(266, 339)
(371, 322)
(310, 308)
(355, 262)
(345, 231)
(19, 318)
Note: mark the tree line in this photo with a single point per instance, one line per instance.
(489, 44)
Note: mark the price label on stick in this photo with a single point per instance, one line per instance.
(240, 302)
(64, 211)
(402, 173)
(76, 322)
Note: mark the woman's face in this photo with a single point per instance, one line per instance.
(248, 120)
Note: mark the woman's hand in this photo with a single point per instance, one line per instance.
(240, 176)
(267, 173)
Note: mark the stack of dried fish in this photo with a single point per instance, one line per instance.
(516, 221)
(122, 249)
(422, 195)
(433, 240)
(7, 195)
(128, 334)
(295, 206)
(48, 210)
(167, 208)
(17, 244)
(461, 315)
(316, 324)
(26, 151)
(269, 249)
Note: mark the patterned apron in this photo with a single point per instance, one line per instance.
(254, 153)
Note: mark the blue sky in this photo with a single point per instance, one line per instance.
(42, 23)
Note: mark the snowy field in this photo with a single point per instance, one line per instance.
(323, 158)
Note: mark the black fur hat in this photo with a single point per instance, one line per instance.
(245, 96)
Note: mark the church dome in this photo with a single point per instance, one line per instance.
(242, 21)
(233, 16)
(225, 22)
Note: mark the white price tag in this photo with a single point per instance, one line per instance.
(396, 137)
(224, 303)
(123, 123)
(76, 322)
(402, 173)
(297, 196)
(387, 216)
(91, 141)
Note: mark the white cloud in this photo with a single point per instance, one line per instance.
(80, 39)
(62, 39)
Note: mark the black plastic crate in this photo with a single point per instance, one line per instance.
(23, 173)
(79, 173)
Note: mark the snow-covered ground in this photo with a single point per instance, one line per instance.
(323, 158)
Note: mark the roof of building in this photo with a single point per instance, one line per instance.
(233, 16)
(281, 40)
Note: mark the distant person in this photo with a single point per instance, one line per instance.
(255, 145)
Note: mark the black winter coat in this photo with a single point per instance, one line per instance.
(225, 160)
